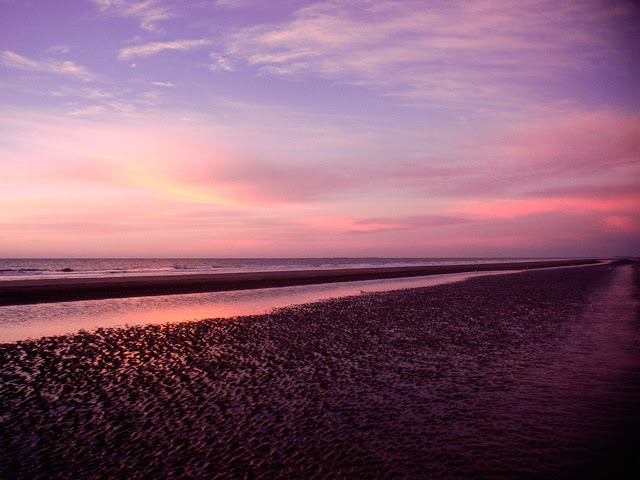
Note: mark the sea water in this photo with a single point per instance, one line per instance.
(23, 269)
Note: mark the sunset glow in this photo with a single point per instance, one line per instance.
(255, 128)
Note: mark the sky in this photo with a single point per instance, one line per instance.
(296, 128)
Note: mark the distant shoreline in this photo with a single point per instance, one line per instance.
(24, 292)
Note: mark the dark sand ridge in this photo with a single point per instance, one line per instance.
(22, 292)
(505, 376)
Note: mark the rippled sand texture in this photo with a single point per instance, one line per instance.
(492, 377)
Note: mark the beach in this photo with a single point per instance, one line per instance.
(31, 291)
(522, 375)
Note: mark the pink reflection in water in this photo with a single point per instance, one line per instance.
(20, 322)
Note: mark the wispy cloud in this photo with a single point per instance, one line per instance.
(567, 151)
(575, 143)
(59, 49)
(88, 110)
(64, 67)
(163, 84)
(476, 50)
(219, 63)
(237, 3)
(369, 225)
(576, 204)
(157, 47)
(147, 12)
(537, 159)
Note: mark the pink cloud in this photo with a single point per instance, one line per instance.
(63, 67)
(192, 169)
(148, 12)
(623, 223)
(512, 208)
(257, 181)
(622, 189)
(580, 142)
(193, 193)
(407, 222)
(566, 154)
(157, 47)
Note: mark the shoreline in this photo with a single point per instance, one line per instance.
(25, 292)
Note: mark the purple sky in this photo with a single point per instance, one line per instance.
(335, 128)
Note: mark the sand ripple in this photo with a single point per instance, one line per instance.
(408, 384)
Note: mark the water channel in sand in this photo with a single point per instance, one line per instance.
(21, 322)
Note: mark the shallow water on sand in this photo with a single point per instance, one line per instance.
(21, 322)
(573, 411)
(528, 375)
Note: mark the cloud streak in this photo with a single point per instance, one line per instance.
(411, 222)
(577, 142)
(147, 12)
(473, 51)
(48, 65)
(157, 47)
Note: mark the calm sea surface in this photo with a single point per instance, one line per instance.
(108, 267)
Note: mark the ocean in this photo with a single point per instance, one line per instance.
(32, 268)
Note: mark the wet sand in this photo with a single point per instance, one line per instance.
(22, 292)
(494, 377)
